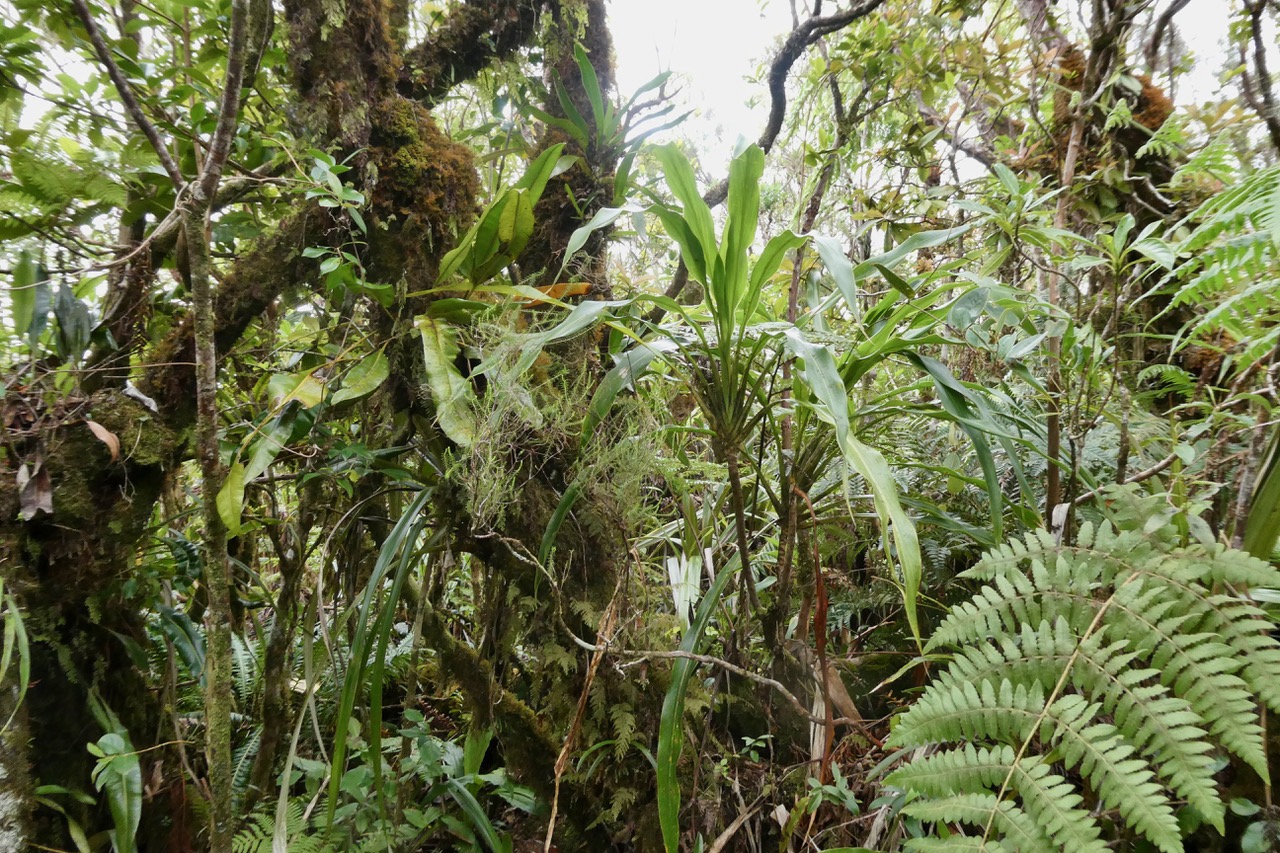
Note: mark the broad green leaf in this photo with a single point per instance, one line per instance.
(230, 499)
(521, 225)
(837, 263)
(743, 205)
(541, 170)
(486, 242)
(452, 393)
(691, 249)
(603, 218)
(696, 214)
(583, 316)
(772, 256)
(303, 387)
(475, 814)
(22, 294)
(118, 774)
(631, 365)
(914, 243)
(507, 221)
(365, 378)
(267, 445)
(187, 639)
(591, 84)
(1262, 525)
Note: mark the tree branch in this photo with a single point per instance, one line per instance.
(1157, 35)
(812, 29)
(131, 104)
(474, 36)
(1257, 85)
(246, 22)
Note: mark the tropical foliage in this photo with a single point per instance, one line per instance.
(413, 440)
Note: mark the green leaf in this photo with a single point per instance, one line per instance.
(837, 263)
(822, 376)
(671, 724)
(453, 395)
(1262, 525)
(566, 503)
(119, 775)
(267, 446)
(743, 204)
(631, 365)
(15, 641)
(521, 225)
(22, 293)
(370, 634)
(914, 243)
(366, 377)
(540, 171)
(696, 214)
(230, 501)
(302, 386)
(475, 814)
(771, 258)
(187, 640)
(603, 218)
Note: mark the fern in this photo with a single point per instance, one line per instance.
(257, 834)
(1233, 264)
(1088, 680)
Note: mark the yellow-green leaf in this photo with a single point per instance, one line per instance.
(303, 387)
(231, 499)
(363, 379)
(451, 391)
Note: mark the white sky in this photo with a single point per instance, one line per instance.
(714, 46)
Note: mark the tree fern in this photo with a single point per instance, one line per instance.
(1093, 679)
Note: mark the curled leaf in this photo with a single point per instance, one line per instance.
(107, 437)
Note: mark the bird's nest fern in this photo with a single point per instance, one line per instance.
(1092, 688)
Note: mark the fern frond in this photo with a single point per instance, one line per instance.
(1161, 727)
(1124, 658)
(979, 810)
(1047, 798)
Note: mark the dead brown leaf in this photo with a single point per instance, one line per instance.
(107, 437)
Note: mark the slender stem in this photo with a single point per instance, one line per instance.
(1053, 489)
(218, 618)
(217, 567)
(125, 91)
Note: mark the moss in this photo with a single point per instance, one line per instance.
(423, 190)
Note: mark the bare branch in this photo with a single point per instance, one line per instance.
(131, 104)
(1257, 80)
(812, 29)
(248, 24)
(1157, 35)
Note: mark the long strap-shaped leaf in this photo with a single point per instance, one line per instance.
(399, 544)
(671, 728)
(822, 376)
